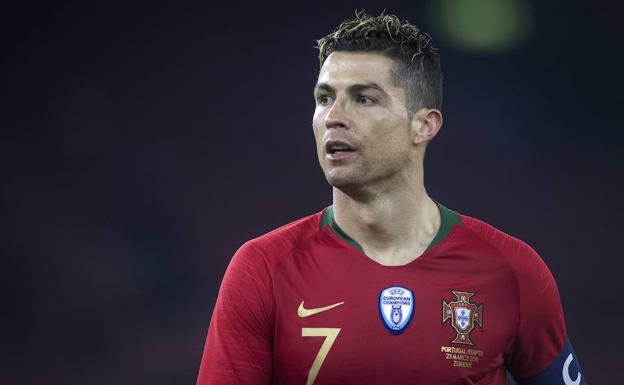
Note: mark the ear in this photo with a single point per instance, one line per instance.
(426, 123)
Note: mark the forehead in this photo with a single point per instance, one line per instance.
(341, 69)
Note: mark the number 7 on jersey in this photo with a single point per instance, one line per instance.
(330, 335)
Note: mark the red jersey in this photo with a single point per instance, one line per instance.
(304, 305)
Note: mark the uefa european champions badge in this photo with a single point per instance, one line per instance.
(396, 306)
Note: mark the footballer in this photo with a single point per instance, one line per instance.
(386, 285)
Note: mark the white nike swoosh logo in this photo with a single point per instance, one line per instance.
(303, 312)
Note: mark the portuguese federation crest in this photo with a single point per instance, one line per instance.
(463, 315)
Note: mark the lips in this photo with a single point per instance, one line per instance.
(337, 146)
(338, 149)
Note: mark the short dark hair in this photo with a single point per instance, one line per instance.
(418, 63)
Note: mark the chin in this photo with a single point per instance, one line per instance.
(343, 182)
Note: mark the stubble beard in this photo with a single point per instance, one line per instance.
(362, 185)
(349, 182)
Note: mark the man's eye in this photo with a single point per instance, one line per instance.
(366, 100)
(323, 100)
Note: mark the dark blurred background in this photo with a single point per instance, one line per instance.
(142, 144)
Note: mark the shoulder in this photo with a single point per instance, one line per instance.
(494, 237)
(532, 275)
(519, 254)
(253, 263)
(281, 241)
(540, 334)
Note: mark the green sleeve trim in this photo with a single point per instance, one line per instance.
(448, 218)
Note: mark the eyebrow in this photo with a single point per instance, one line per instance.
(354, 88)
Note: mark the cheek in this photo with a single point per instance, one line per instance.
(318, 128)
(383, 131)
(390, 138)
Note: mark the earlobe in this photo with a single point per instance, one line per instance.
(426, 123)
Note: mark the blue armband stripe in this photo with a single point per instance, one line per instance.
(565, 370)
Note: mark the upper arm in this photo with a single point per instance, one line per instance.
(541, 353)
(238, 349)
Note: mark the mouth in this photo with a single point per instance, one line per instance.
(337, 149)
(333, 147)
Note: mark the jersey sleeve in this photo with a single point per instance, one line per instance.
(238, 349)
(541, 353)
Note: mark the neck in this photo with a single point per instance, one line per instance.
(393, 225)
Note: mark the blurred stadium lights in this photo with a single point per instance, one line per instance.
(481, 26)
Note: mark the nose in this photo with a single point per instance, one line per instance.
(337, 117)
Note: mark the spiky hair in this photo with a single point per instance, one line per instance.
(418, 63)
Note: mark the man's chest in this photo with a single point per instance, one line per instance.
(343, 321)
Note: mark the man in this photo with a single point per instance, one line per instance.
(386, 286)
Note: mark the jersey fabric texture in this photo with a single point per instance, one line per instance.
(304, 305)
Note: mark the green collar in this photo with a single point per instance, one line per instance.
(448, 218)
